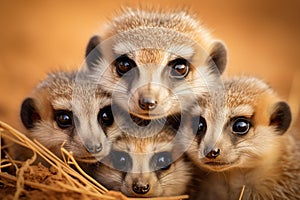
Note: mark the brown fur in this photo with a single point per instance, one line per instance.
(66, 91)
(152, 39)
(265, 160)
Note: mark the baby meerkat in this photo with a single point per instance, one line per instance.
(65, 111)
(247, 143)
(144, 166)
(154, 61)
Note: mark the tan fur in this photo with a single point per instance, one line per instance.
(264, 160)
(153, 38)
(168, 182)
(65, 91)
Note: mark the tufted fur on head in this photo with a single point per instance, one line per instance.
(153, 43)
(247, 142)
(65, 110)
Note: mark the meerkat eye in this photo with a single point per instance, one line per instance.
(179, 68)
(241, 126)
(123, 65)
(199, 126)
(121, 160)
(63, 118)
(162, 161)
(105, 116)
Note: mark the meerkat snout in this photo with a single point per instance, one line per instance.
(93, 148)
(150, 101)
(147, 100)
(213, 154)
(147, 103)
(140, 186)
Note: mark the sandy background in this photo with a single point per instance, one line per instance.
(37, 37)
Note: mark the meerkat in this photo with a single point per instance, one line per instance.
(140, 165)
(63, 110)
(246, 142)
(154, 61)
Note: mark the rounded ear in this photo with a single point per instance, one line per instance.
(29, 113)
(281, 117)
(94, 41)
(92, 53)
(218, 57)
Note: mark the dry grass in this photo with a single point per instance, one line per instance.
(74, 180)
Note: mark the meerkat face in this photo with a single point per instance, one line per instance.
(144, 167)
(153, 62)
(245, 132)
(62, 113)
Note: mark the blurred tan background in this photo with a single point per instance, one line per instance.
(37, 37)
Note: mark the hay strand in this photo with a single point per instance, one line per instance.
(242, 192)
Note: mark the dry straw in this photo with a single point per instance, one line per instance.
(74, 180)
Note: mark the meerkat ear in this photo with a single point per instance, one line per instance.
(218, 57)
(94, 41)
(281, 117)
(92, 53)
(29, 113)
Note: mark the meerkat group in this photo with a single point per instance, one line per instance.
(149, 115)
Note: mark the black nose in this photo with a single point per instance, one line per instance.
(93, 148)
(213, 153)
(139, 188)
(147, 103)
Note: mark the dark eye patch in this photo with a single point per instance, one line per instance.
(121, 161)
(162, 161)
(63, 118)
(180, 68)
(199, 127)
(123, 65)
(240, 126)
(105, 116)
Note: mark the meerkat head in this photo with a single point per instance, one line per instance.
(144, 166)
(61, 112)
(245, 131)
(155, 61)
